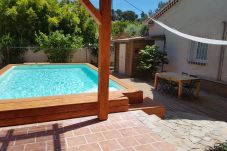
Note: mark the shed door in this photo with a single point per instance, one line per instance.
(122, 52)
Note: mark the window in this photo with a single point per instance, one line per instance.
(198, 53)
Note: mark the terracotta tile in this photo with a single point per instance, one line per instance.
(94, 137)
(8, 142)
(146, 147)
(37, 129)
(15, 148)
(156, 137)
(127, 141)
(145, 139)
(128, 132)
(4, 134)
(20, 131)
(56, 145)
(163, 146)
(137, 123)
(44, 138)
(35, 147)
(111, 125)
(115, 118)
(127, 124)
(82, 131)
(70, 149)
(90, 147)
(142, 130)
(109, 145)
(98, 128)
(128, 117)
(75, 141)
(127, 149)
(24, 141)
(49, 127)
(112, 134)
(65, 134)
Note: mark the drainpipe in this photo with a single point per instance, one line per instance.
(222, 53)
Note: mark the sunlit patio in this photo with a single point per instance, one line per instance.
(121, 132)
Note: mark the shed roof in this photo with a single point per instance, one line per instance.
(159, 37)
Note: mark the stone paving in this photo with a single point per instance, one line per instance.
(121, 132)
(185, 134)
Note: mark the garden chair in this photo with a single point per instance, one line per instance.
(189, 88)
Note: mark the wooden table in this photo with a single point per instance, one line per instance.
(178, 78)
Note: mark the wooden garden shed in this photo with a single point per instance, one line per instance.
(127, 53)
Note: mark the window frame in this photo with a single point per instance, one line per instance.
(198, 53)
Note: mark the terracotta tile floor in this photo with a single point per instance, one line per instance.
(121, 132)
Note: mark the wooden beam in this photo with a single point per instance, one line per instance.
(92, 11)
(104, 58)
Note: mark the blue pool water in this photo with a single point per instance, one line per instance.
(49, 80)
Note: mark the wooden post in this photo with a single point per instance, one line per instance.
(103, 19)
(180, 88)
(197, 89)
(104, 59)
(156, 82)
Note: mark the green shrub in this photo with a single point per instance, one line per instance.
(57, 46)
(143, 30)
(118, 27)
(136, 29)
(151, 58)
(132, 30)
(8, 53)
(219, 147)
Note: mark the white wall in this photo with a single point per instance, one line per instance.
(200, 18)
(82, 55)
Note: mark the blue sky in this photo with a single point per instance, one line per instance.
(144, 5)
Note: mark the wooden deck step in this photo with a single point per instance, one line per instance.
(35, 110)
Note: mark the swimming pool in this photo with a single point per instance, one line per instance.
(26, 81)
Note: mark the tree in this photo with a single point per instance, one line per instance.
(143, 16)
(119, 15)
(57, 46)
(22, 18)
(5, 42)
(143, 30)
(132, 30)
(118, 27)
(129, 16)
(150, 13)
(151, 58)
(136, 29)
(8, 54)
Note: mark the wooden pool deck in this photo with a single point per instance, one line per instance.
(34, 110)
(43, 109)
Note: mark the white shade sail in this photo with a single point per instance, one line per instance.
(190, 37)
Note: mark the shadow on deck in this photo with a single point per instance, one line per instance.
(207, 106)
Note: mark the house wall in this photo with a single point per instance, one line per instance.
(199, 18)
